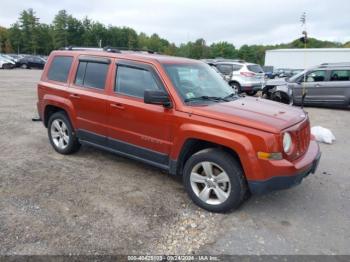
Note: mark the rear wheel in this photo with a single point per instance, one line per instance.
(236, 87)
(61, 134)
(214, 180)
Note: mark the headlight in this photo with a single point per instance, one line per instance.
(287, 142)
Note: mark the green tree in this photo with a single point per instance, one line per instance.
(60, 29)
(28, 23)
(15, 37)
(223, 49)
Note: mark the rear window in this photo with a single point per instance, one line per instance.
(255, 68)
(59, 69)
(91, 74)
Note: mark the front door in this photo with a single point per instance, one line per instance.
(137, 129)
(314, 86)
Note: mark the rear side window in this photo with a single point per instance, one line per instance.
(134, 81)
(91, 74)
(255, 68)
(226, 69)
(59, 69)
(340, 75)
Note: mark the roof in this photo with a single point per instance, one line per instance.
(164, 59)
(310, 50)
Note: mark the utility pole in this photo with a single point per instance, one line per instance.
(304, 40)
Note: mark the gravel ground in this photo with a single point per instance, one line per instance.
(95, 202)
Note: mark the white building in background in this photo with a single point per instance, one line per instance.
(300, 58)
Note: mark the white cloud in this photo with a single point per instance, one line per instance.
(239, 22)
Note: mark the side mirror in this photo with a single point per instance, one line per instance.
(157, 97)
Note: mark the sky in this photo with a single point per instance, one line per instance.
(238, 22)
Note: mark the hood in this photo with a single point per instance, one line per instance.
(276, 82)
(255, 113)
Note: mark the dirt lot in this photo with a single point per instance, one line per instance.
(94, 202)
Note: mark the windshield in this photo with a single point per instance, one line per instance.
(198, 82)
(295, 77)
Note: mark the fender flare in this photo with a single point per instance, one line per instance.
(61, 102)
(232, 140)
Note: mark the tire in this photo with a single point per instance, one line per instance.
(24, 66)
(280, 97)
(251, 93)
(236, 87)
(61, 134)
(232, 190)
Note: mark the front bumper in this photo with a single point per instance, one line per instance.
(284, 182)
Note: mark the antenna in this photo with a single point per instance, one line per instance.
(304, 40)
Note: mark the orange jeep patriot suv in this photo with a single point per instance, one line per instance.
(179, 115)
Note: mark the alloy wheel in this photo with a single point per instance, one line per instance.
(59, 134)
(210, 183)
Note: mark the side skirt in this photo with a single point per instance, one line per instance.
(124, 149)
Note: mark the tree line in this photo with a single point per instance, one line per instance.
(29, 36)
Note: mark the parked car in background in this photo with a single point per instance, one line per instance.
(325, 85)
(6, 63)
(242, 76)
(32, 62)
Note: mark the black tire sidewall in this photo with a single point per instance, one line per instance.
(72, 137)
(235, 84)
(232, 169)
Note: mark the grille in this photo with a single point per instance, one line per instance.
(302, 139)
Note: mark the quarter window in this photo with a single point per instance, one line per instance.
(134, 81)
(91, 74)
(340, 75)
(59, 68)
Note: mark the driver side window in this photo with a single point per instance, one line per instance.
(134, 81)
(316, 76)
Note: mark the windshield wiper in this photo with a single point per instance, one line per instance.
(232, 95)
(207, 98)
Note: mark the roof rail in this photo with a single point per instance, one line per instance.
(78, 48)
(335, 64)
(107, 49)
(132, 49)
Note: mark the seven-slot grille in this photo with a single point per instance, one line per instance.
(302, 139)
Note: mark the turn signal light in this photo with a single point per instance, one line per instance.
(270, 156)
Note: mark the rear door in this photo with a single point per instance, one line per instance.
(338, 92)
(225, 69)
(87, 94)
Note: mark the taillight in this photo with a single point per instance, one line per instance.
(247, 74)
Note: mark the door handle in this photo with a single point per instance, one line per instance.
(74, 96)
(118, 106)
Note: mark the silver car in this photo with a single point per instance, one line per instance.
(324, 85)
(242, 76)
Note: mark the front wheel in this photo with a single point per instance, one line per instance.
(251, 93)
(214, 180)
(61, 134)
